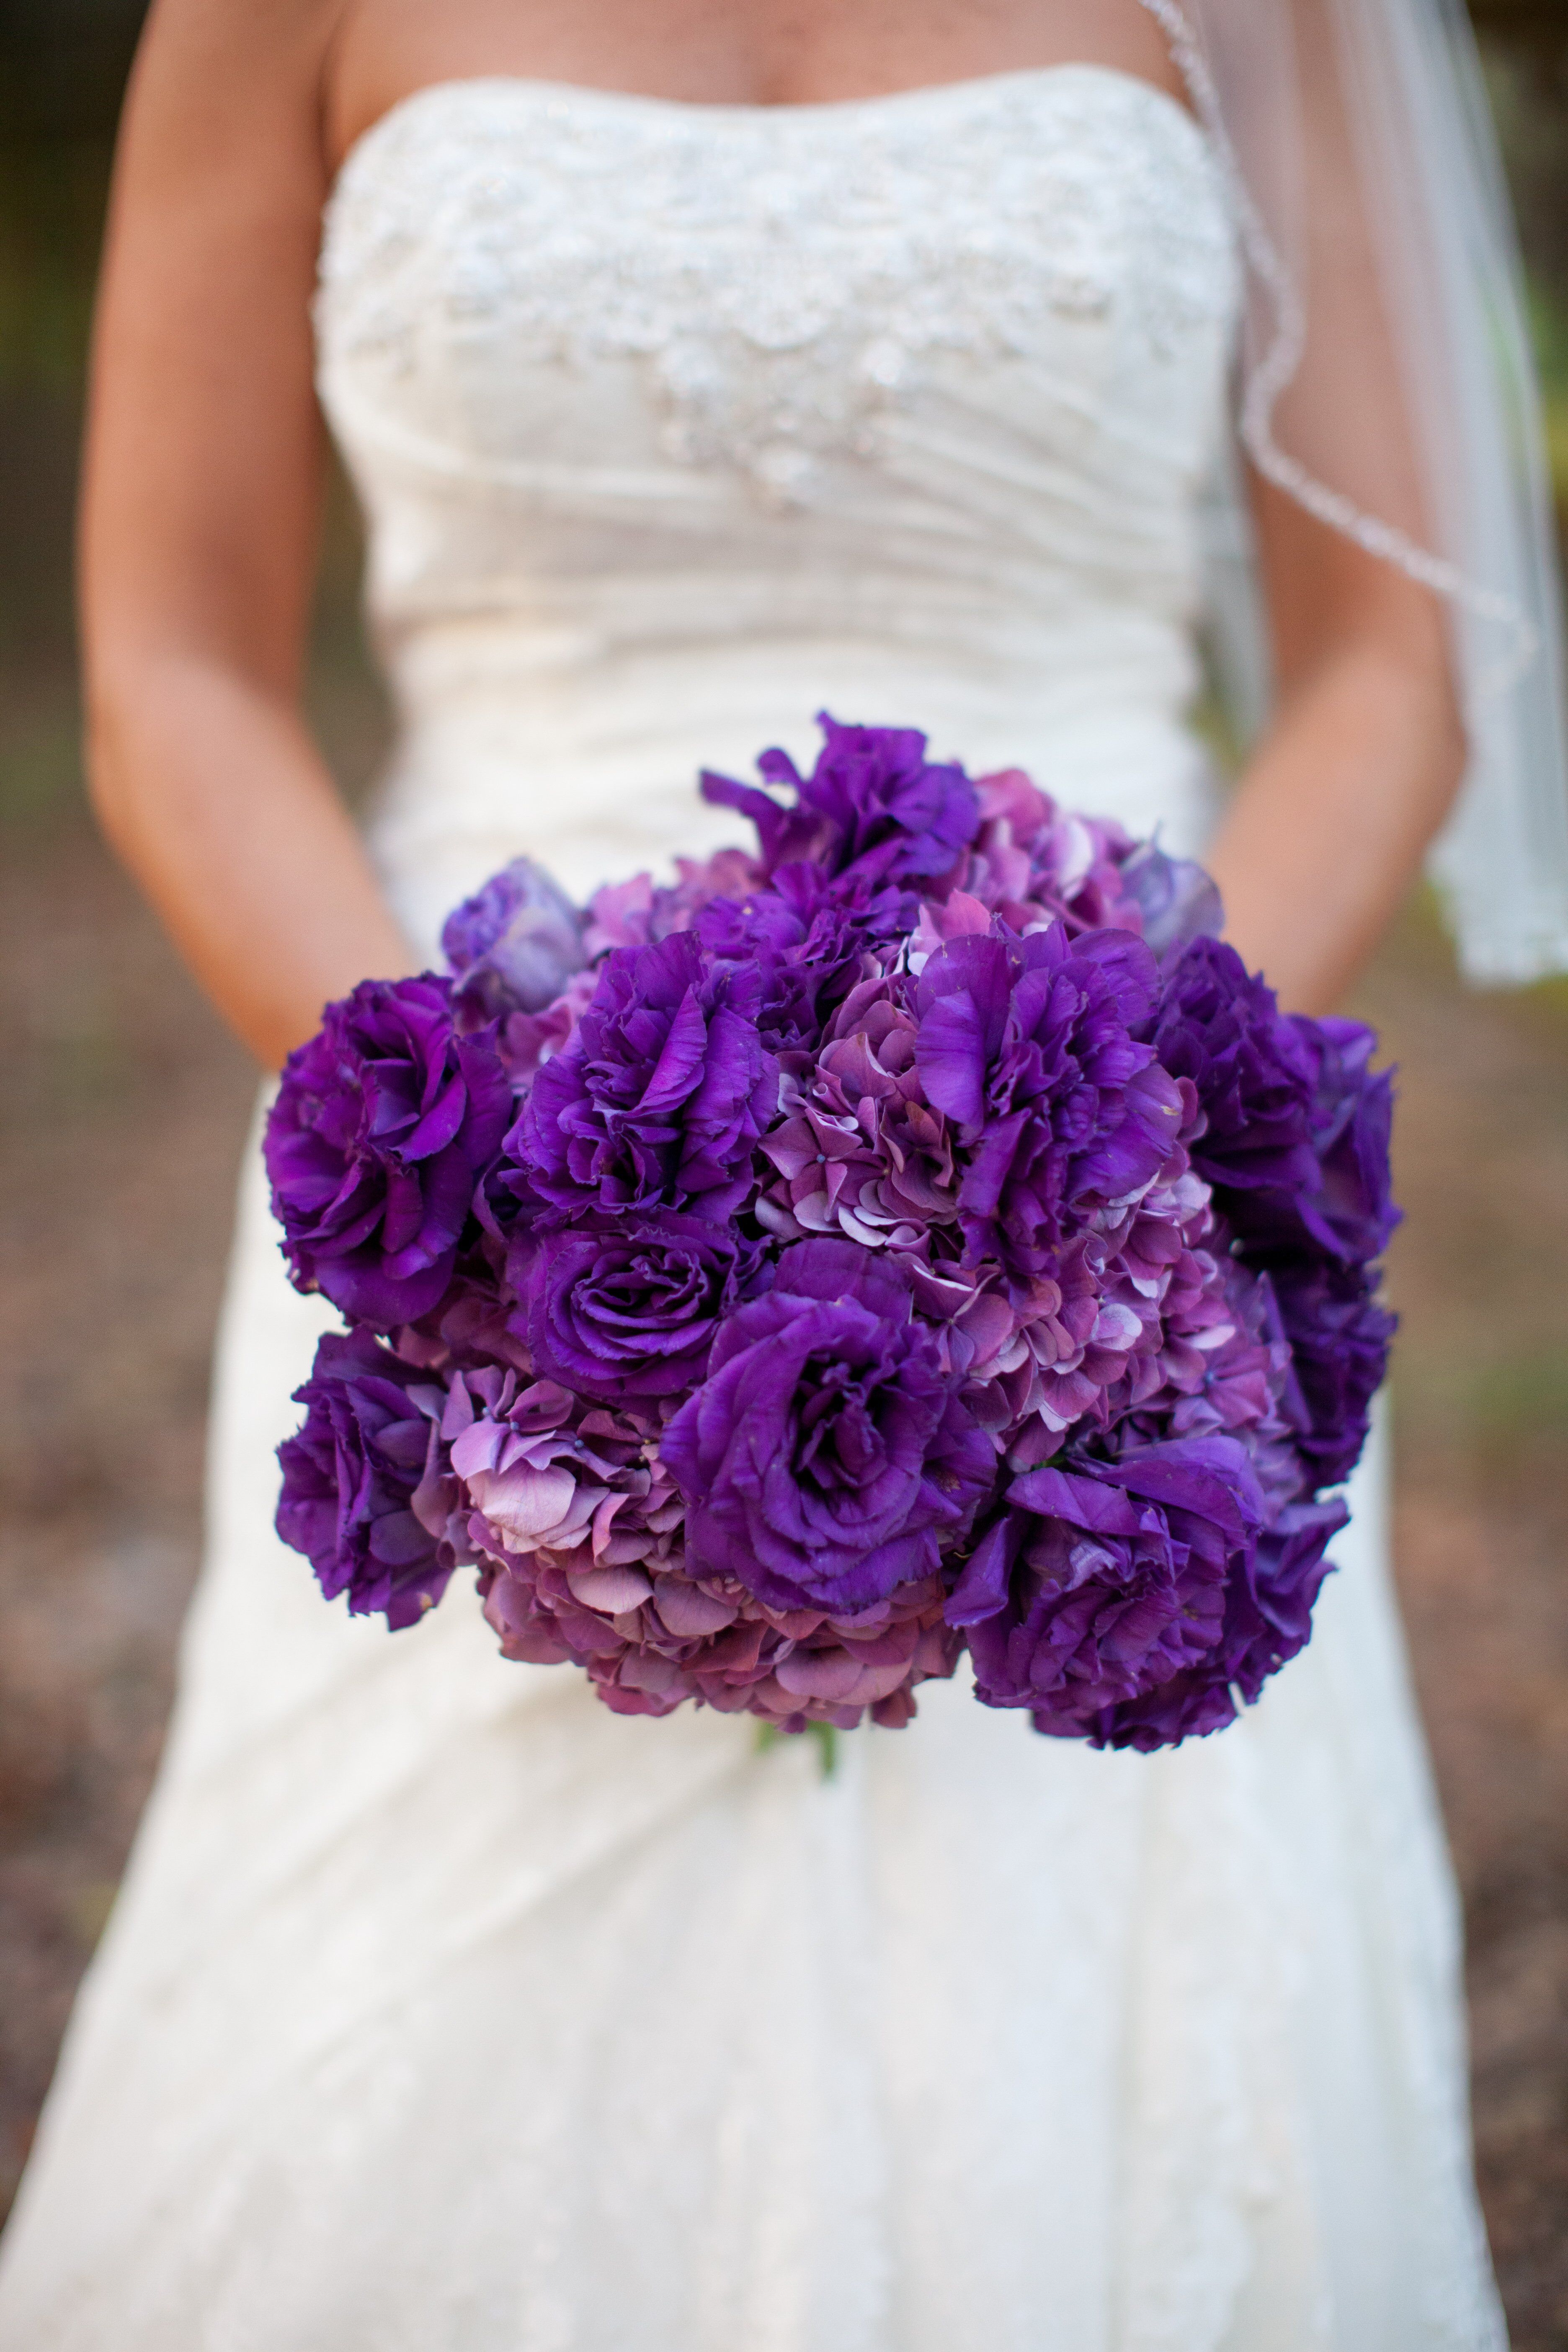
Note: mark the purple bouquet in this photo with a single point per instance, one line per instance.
(921, 1235)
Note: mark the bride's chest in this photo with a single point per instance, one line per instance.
(527, 274)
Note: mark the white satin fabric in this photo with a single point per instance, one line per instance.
(443, 2010)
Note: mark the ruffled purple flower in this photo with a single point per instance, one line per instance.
(1028, 1045)
(809, 940)
(637, 913)
(579, 1526)
(1346, 1212)
(368, 1495)
(625, 1311)
(384, 1124)
(1270, 1599)
(1340, 1336)
(514, 945)
(874, 807)
(660, 1098)
(1100, 1583)
(860, 1152)
(825, 1459)
(1221, 1028)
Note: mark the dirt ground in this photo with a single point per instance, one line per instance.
(124, 1108)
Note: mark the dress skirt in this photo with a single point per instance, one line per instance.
(443, 2010)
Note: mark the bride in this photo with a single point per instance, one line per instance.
(700, 364)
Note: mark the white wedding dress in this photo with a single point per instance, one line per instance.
(445, 2011)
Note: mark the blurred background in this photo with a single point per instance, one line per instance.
(122, 1110)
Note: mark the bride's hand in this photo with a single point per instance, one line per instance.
(200, 513)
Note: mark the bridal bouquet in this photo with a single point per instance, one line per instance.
(921, 1235)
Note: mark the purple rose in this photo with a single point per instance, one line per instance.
(515, 944)
(367, 1492)
(660, 1096)
(873, 807)
(1101, 1582)
(624, 1310)
(384, 1124)
(1027, 1044)
(825, 1457)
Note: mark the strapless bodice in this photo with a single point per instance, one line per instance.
(674, 422)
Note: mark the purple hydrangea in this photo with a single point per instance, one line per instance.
(1101, 1582)
(384, 1124)
(873, 809)
(825, 1457)
(367, 1492)
(1028, 1045)
(660, 1098)
(858, 1151)
(579, 1528)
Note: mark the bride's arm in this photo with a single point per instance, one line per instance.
(200, 516)
(1330, 820)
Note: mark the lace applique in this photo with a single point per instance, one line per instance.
(786, 288)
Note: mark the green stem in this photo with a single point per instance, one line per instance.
(826, 1734)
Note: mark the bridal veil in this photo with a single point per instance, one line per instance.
(1384, 381)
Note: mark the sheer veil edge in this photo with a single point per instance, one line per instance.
(1385, 381)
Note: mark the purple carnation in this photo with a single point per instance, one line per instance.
(810, 943)
(874, 807)
(1269, 1617)
(1221, 1027)
(1346, 1213)
(660, 1096)
(384, 1124)
(1339, 1337)
(367, 1492)
(1029, 1045)
(515, 944)
(624, 1311)
(1102, 1582)
(825, 1457)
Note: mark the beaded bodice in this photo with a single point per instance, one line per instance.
(675, 422)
